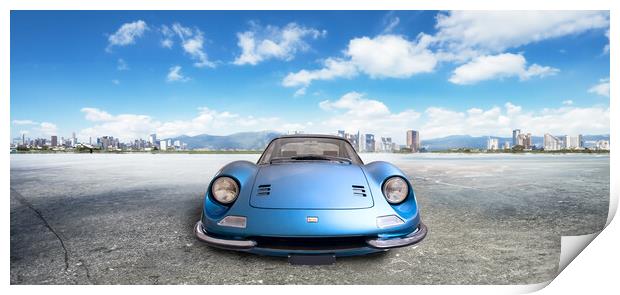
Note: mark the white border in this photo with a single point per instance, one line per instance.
(598, 264)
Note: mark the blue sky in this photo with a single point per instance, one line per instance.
(128, 74)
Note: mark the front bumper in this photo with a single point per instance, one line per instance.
(367, 246)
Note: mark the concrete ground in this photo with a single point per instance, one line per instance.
(127, 219)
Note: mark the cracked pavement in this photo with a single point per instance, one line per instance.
(127, 219)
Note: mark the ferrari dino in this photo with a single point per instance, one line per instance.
(310, 195)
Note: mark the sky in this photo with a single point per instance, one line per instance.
(131, 73)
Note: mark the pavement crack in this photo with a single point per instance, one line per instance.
(88, 277)
(38, 213)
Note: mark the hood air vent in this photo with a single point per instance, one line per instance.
(264, 189)
(359, 190)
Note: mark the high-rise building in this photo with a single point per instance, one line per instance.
(551, 143)
(23, 138)
(492, 144)
(152, 138)
(515, 136)
(602, 145)
(573, 142)
(353, 139)
(386, 145)
(369, 140)
(527, 141)
(507, 145)
(54, 140)
(341, 133)
(361, 141)
(39, 142)
(579, 141)
(413, 140)
(74, 140)
(105, 142)
(163, 145)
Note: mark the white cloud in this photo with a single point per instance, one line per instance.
(391, 56)
(391, 23)
(216, 122)
(606, 48)
(602, 88)
(262, 43)
(332, 68)
(96, 115)
(36, 128)
(470, 37)
(479, 30)
(441, 122)
(116, 82)
(512, 109)
(384, 56)
(175, 75)
(121, 65)
(354, 112)
(24, 122)
(499, 66)
(125, 126)
(208, 121)
(127, 34)
(168, 34)
(47, 128)
(567, 102)
(192, 42)
(300, 92)
(167, 43)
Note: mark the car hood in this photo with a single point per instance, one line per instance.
(311, 185)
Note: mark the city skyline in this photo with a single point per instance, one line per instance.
(362, 142)
(192, 73)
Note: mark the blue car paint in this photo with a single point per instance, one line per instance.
(287, 222)
(294, 186)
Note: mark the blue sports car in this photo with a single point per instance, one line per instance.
(310, 196)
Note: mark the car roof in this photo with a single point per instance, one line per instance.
(303, 135)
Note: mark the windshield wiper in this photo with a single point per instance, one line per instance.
(311, 158)
(280, 159)
(319, 157)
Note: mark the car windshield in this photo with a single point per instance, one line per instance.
(289, 149)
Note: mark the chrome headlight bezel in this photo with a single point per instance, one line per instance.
(225, 190)
(397, 196)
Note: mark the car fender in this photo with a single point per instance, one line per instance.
(244, 172)
(377, 173)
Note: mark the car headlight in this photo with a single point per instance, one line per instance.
(395, 190)
(225, 190)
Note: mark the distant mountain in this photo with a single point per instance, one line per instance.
(242, 140)
(595, 137)
(480, 142)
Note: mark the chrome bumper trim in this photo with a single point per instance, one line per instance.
(222, 243)
(407, 240)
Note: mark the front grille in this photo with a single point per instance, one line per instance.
(264, 190)
(334, 243)
(359, 190)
